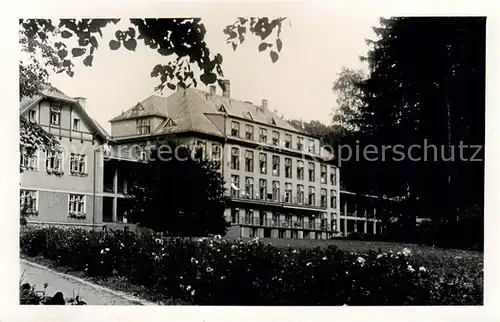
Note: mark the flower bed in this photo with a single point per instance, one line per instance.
(219, 272)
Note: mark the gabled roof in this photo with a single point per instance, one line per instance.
(54, 93)
(154, 105)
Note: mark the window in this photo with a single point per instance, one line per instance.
(235, 158)
(29, 201)
(216, 153)
(249, 132)
(143, 126)
(76, 125)
(300, 194)
(76, 204)
(333, 176)
(333, 199)
(263, 135)
(263, 163)
(201, 148)
(235, 186)
(55, 115)
(281, 233)
(288, 167)
(263, 189)
(311, 172)
(77, 165)
(323, 174)
(29, 162)
(288, 192)
(235, 215)
(301, 221)
(323, 198)
(276, 165)
(310, 148)
(249, 161)
(288, 141)
(249, 187)
(288, 220)
(300, 170)
(276, 190)
(54, 162)
(276, 138)
(248, 216)
(276, 219)
(235, 128)
(32, 115)
(333, 223)
(312, 196)
(300, 143)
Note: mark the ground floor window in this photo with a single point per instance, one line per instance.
(76, 206)
(370, 227)
(29, 201)
(306, 235)
(281, 233)
(295, 234)
(342, 225)
(267, 233)
(235, 215)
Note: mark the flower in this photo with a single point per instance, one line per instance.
(361, 260)
(406, 251)
(222, 277)
(192, 293)
(410, 268)
(193, 260)
(209, 269)
(380, 256)
(188, 287)
(324, 258)
(309, 264)
(422, 269)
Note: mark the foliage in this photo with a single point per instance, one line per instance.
(182, 38)
(179, 193)
(347, 88)
(426, 84)
(28, 295)
(215, 271)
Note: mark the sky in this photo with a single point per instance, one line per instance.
(317, 42)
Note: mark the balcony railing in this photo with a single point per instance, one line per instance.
(283, 201)
(283, 224)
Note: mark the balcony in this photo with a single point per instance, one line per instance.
(279, 201)
(271, 223)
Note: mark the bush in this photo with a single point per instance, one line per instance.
(219, 272)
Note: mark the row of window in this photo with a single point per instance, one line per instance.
(54, 162)
(275, 137)
(274, 195)
(76, 203)
(55, 117)
(262, 219)
(249, 166)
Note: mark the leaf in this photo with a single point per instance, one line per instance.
(218, 59)
(114, 45)
(208, 78)
(66, 34)
(156, 70)
(93, 41)
(131, 32)
(77, 52)
(263, 46)
(165, 51)
(171, 86)
(130, 44)
(274, 56)
(234, 46)
(88, 60)
(62, 53)
(279, 44)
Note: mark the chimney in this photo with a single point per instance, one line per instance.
(227, 88)
(82, 101)
(212, 90)
(264, 103)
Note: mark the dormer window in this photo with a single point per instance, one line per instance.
(143, 126)
(55, 115)
(311, 146)
(276, 138)
(76, 125)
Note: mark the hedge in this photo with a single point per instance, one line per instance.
(218, 272)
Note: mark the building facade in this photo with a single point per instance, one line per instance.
(280, 181)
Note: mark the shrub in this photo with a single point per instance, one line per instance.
(218, 272)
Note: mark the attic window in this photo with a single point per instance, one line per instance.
(248, 116)
(170, 123)
(272, 121)
(222, 109)
(138, 108)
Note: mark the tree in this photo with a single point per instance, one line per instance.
(427, 82)
(347, 88)
(178, 194)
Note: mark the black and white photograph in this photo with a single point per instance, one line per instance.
(308, 158)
